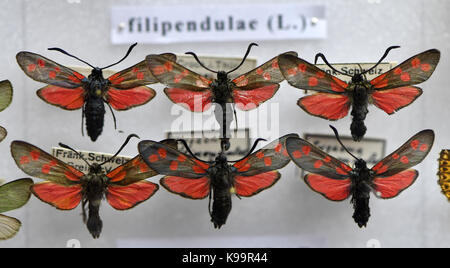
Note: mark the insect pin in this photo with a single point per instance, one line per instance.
(71, 90)
(389, 91)
(193, 178)
(336, 181)
(65, 187)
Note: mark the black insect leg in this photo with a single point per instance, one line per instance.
(112, 112)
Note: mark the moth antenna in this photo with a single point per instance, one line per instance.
(190, 152)
(251, 150)
(121, 147)
(126, 55)
(245, 57)
(320, 55)
(340, 142)
(70, 55)
(199, 62)
(73, 150)
(382, 58)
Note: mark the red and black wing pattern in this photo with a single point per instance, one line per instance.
(62, 188)
(186, 176)
(258, 85)
(128, 90)
(66, 98)
(329, 176)
(331, 102)
(168, 161)
(414, 70)
(304, 75)
(394, 90)
(392, 174)
(312, 159)
(185, 87)
(136, 75)
(47, 71)
(257, 171)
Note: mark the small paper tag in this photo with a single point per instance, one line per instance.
(69, 157)
(356, 68)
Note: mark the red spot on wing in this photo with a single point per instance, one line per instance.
(395, 156)
(259, 71)
(52, 74)
(415, 63)
(251, 185)
(389, 187)
(423, 147)
(320, 74)
(128, 98)
(335, 190)
(260, 154)
(425, 67)
(62, 197)
(57, 69)
(278, 147)
(297, 154)
(302, 67)
(173, 165)
(158, 70)
(153, 158)
(275, 64)
(71, 176)
(327, 159)
(380, 168)
(250, 99)
(404, 159)
(117, 174)
(196, 101)
(125, 197)
(241, 81)
(393, 99)
(203, 165)
(162, 153)
(41, 63)
(35, 155)
(318, 164)
(292, 71)
(405, 77)
(398, 71)
(143, 167)
(345, 167)
(266, 76)
(242, 165)
(31, 67)
(306, 149)
(329, 106)
(267, 161)
(24, 160)
(312, 82)
(192, 188)
(46, 168)
(140, 75)
(380, 81)
(181, 158)
(415, 144)
(168, 66)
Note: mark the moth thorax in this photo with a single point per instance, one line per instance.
(95, 169)
(357, 78)
(222, 76)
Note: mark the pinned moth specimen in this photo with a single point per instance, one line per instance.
(6, 93)
(196, 93)
(444, 172)
(71, 90)
(13, 195)
(336, 181)
(389, 91)
(65, 187)
(190, 177)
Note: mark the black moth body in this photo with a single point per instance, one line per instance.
(361, 178)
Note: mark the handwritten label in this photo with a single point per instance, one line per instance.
(75, 161)
(200, 23)
(206, 144)
(371, 150)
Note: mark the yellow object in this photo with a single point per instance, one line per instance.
(444, 172)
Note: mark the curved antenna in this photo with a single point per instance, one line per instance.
(70, 55)
(245, 57)
(73, 150)
(382, 58)
(199, 62)
(121, 147)
(320, 55)
(340, 142)
(190, 152)
(251, 150)
(126, 55)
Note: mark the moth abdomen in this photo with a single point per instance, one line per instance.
(95, 114)
(361, 214)
(221, 207)
(94, 223)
